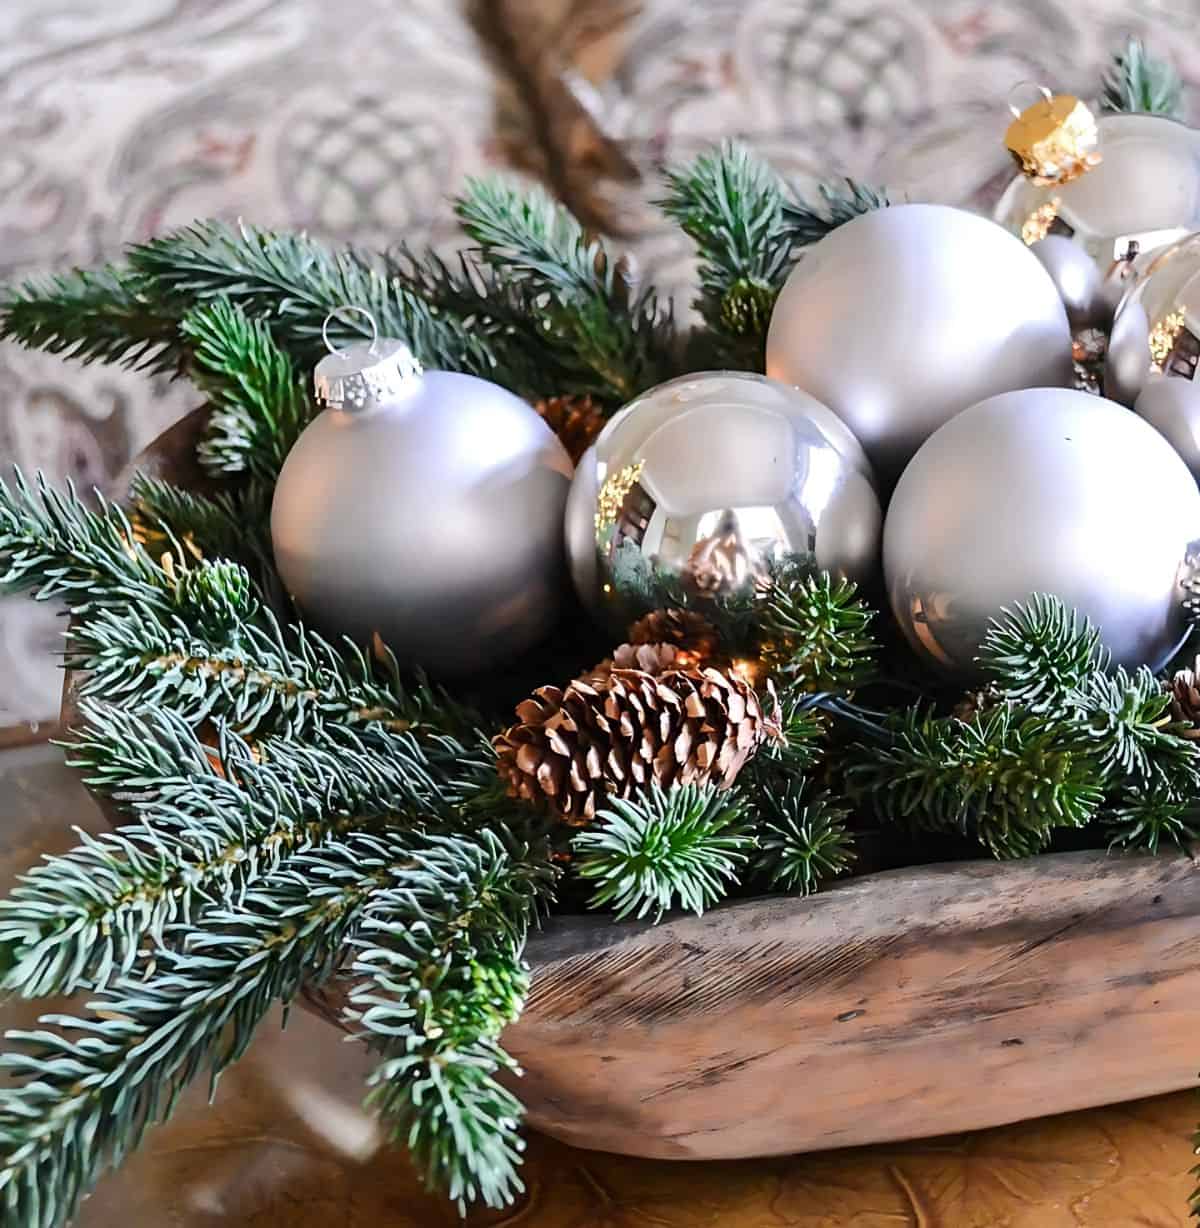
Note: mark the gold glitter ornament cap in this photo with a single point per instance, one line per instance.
(1054, 140)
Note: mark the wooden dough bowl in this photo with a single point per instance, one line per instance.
(898, 1005)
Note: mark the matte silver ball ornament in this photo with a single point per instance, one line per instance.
(1046, 490)
(1172, 406)
(1077, 280)
(705, 481)
(1127, 358)
(425, 507)
(901, 318)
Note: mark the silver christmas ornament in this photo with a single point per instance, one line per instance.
(1076, 278)
(1172, 406)
(1169, 293)
(904, 316)
(425, 507)
(705, 480)
(1127, 358)
(1047, 490)
(1126, 187)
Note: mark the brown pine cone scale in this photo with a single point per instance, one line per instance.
(616, 734)
(1185, 699)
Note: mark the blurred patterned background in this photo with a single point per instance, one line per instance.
(358, 120)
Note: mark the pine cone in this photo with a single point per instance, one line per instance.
(653, 659)
(575, 420)
(692, 632)
(1185, 699)
(615, 737)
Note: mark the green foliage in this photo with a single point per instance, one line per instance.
(53, 545)
(730, 203)
(585, 304)
(1041, 653)
(231, 524)
(1137, 82)
(507, 314)
(215, 597)
(207, 823)
(1149, 820)
(106, 315)
(676, 849)
(803, 843)
(438, 976)
(293, 282)
(80, 1097)
(1007, 779)
(258, 401)
(807, 223)
(269, 679)
(816, 631)
(1126, 718)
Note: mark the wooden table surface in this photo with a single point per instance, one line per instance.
(286, 1146)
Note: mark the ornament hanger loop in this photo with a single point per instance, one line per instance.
(337, 313)
(1025, 85)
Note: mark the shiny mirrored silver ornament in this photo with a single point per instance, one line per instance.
(1142, 193)
(1172, 406)
(1042, 491)
(705, 481)
(901, 318)
(1077, 280)
(425, 507)
(1127, 358)
(1169, 293)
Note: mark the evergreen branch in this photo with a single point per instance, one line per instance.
(266, 680)
(82, 1097)
(259, 403)
(214, 524)
(293, 282)
(506, 313)
(105, 315)
(1040, 653)
(1149, 820)
(227, 524)
(1007, 779)
(806, 223)
(53, 545)
(816, 631)
(680, 848)
(208, 823)
(803, 843)
(730, 204)
(1138, 83)
(438, 977)
(1127, 719)
(586, 306)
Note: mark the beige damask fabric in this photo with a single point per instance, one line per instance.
(358, 119)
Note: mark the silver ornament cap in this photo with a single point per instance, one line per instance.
(364, 374)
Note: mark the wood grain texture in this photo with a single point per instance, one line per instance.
(899, 1005)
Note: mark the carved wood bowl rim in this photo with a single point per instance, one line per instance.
(903, 1003)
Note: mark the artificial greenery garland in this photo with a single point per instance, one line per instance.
(299, 811)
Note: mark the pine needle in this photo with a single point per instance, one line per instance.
(1138, 83)
(675, 849)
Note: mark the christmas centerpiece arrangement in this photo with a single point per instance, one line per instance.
(889, 558)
